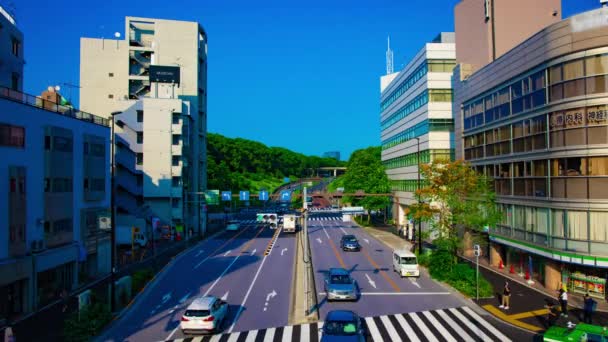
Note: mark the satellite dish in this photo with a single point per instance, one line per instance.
(57, 88)
(117, 34)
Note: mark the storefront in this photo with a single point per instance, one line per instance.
(528, 265)
(584, 280)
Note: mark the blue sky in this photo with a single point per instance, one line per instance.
(298, 74)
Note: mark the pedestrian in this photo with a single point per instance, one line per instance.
(552, 312)
(563, 300)
(8, 334)
(64, 300)
(588, 309)
(506, 296)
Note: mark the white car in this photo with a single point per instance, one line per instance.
(204, 315)
(233, 225)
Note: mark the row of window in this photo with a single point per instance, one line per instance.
(424, 127)
(58, 185)
(557, 223)
(93, 149)
(557, 167)
(431, 65)
(63, 225)
(12, 136)
(58, 143)
(569, 79)
(409, 185)
(432, 95)
(94, 184)
(426, 156)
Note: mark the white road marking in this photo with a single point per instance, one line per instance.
(373, 330)
(319, 240)
(399, 293)
(413, 281)
(226, 254)
(215, 338)
(304, 332)
(225, 296)
(271, 295)
(366, 241)
(407, 328)
(371, 282)
(343, 231)
(166, 297)
(287, 331)
(234, 337)
(199, 253)
(184, 298)
(455, 326)
(425, 330)
(439, 326)
(269, 335)
(485, 324)
(253, 251)
(470, 325)
(251, 336)
(283, 251)
(390, 329)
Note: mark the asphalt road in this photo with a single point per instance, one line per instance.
(233, 265)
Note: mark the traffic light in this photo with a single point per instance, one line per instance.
(477, 250)
(273, 221)
(270, 219)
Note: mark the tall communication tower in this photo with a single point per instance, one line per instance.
(389, 58)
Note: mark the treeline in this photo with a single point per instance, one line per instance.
(241, 164)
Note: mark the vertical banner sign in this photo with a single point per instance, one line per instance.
(244, 195)
(226, 195)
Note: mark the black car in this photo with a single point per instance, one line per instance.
(349, 243)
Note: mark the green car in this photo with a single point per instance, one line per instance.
(580, 332)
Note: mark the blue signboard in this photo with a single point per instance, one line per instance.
(263, 196)
(285, 195)
(286, 180)
(226, 195)
(244, 195)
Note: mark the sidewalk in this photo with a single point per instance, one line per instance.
(528, 302)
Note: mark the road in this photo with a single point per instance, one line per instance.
(233, 265)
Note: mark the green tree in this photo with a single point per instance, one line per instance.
(454, 198)
(364, 171)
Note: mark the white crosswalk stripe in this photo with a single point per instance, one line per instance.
(453, 324)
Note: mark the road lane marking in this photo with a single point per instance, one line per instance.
(411, 335)
(283, 251)
(166, 297)
(384, 275)
(425, 330)
(251, 336)
(414, 282)
(253, 251)
(371, 282)
(225, 296)
(287, 331)
(343, 231)
(220, 247)
(446, 334)
(373, 330)
(304, 332)
(184, 298)
(269, 335)
(400, 293)
(390, 329)
(319, 240)
(366, 241)
(234, 337)
(228, 252)
(255, 278)
(335, 249)
(199, 253)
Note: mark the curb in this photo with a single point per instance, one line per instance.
(292, 299)
(144, 291)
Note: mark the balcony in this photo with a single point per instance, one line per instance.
(57, 239)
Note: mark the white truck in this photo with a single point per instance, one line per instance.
(127, 236)
(290, 223)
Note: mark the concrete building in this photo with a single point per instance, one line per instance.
(115, 74)
(11, 52)
(416, 113)
(56, 184)
(332, 154)
(536, 121)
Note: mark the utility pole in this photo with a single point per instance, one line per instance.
(113, 215)
(306, 256)
(419, 220)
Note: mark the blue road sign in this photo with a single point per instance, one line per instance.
(285, 195)
(244, 195)
(226, 195)
(263, 196)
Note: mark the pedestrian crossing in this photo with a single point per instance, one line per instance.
(325, 218)
(452, 325)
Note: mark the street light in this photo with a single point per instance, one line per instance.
(113, 215)
(419, 220)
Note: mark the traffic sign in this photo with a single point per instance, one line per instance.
(226, 195)
(263, 196)
(285, 195)
(244, 195)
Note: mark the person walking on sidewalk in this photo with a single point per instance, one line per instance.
(506, 296)
(563, 301)
(588, 309)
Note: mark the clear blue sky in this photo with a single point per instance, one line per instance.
(299, 74)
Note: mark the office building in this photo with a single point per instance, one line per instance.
(535, 121)
(416, 115)
(119, 75)
(55, 181)
(11, 52)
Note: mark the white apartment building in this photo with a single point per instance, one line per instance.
(416, 114)
(115, 75)
(55, 182)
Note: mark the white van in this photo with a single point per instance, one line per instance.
(405, 263)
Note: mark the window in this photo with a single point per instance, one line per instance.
(441, 65)
(558, 222)
(596, 65)
(97, 150)
(577, 225)
(47, 142)
(111, 74)
(47, 227)
(175, 202)
(86, 184)
(140, 137)
(140, 116)
(62, 144)
(98, 184)
(598, 222)
(13, 185)
(176, 181)
(16, 46)
(13, 136)
(440, 95)
(62, 185)
(176, 139)
(175, 160)
(47, 185)
(111, 96)
(175, 118)
(140, 159)
(85, 148)
(15, 81)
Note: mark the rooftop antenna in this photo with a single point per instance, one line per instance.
(71, 86)
(389, 58)
(117, 36)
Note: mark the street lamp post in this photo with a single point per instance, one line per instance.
(113, 216)
(419, 220)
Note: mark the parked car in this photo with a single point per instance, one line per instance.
(343, 325)
(233, 225)
(349, 243)
(205, 314)
(340, 286)
(578, 332)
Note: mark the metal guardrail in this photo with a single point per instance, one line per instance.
(35, 101)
